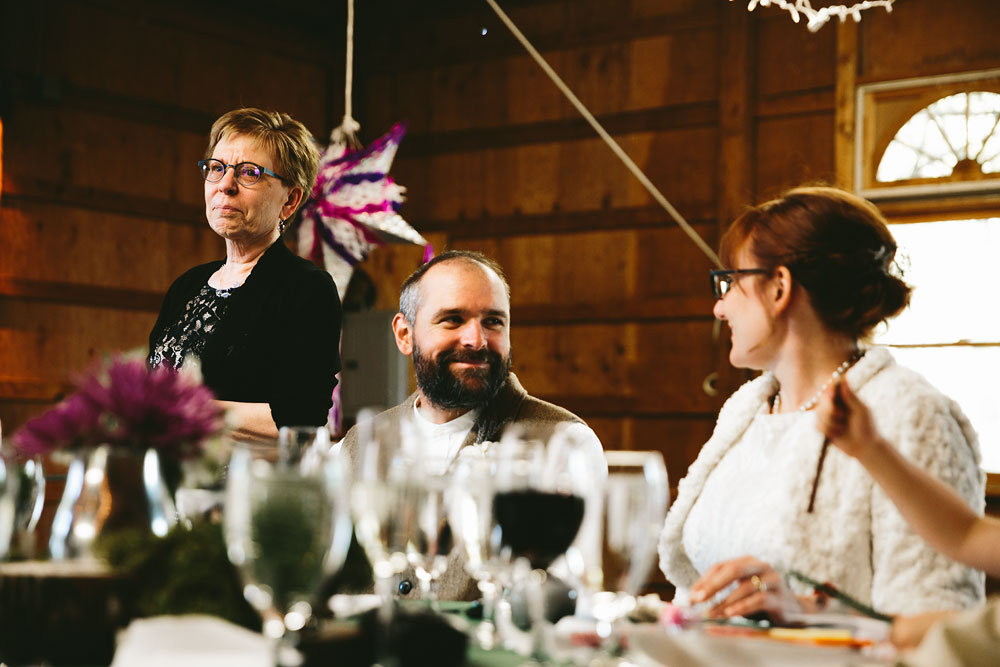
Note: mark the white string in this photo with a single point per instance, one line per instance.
(349, 74)
(818, 17)
(347, 133)
(612, 144)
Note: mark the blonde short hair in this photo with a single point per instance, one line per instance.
(290, 144)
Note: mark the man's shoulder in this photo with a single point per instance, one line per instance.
(538, 410)
(388, 419)
(514, 405)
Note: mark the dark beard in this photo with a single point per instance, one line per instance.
(471, 389)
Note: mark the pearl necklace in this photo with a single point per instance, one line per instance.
(837, 374)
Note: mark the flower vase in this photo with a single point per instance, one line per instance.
(109, 490)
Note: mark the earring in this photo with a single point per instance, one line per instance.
(281, 227)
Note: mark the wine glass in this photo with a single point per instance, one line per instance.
(287, 527)
(542, 492)
(634, 508)
(431, 541)
(385, 498)
(470, 514)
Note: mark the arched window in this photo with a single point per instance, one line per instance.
(958, 135)
(925, 168)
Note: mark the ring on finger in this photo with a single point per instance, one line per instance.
(759, 583)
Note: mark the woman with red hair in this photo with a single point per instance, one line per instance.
(811, 274)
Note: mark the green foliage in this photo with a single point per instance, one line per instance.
(185, 572)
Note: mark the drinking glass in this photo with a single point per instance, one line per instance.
(10, 479)
(470, 514)
(431, 541)
(287, 527)
(541, 496)
(634, 508)
(385, 499)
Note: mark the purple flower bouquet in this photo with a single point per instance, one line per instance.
(127, 405)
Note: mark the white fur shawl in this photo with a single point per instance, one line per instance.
(855, 538)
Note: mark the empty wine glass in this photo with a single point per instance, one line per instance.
(634, 507)
(385, 499)
(287, 527)
(542, 492)
(470, 513)
(431, 541)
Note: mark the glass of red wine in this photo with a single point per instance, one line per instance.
(541, 492)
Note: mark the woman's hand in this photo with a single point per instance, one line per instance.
(908, 631)
(846, 421)
(759, 588)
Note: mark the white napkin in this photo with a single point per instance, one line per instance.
(192, 641)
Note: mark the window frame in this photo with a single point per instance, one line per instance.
(873, 132)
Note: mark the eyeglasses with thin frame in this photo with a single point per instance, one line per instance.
(247, 173)
(724, 279)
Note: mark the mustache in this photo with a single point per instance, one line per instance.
(467, 356)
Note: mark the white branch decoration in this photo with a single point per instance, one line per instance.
(818, 17)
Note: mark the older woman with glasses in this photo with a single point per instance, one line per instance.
(812, 275)
(264, 323)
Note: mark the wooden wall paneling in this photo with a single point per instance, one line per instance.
(844, 111)
(669, 265)
(612, 432)
(670, 363)
(679, 439)
(167, 65)
(468, 95)
(927, 37)
(675, 68)
(737, 86)
(531, 97)
(793, 151)
(389, 266)
(530, 263)
(45, 242)
(454, 33)
(573, 360)
(49, 341)
(676, 162)
(789, 57)
(66, 148)
(578, 268)
(385, 98)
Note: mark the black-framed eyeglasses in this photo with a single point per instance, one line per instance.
(247, 173)
(724, 279)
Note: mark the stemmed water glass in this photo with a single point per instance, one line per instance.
(385, 499)
(470, 513)
(287, 528)
(634, 507)
(431, 540)
(542, 493)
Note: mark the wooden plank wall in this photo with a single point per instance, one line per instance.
(720, 107)
(611, 306)
(106, 107)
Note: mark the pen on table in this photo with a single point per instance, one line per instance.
(831, 591)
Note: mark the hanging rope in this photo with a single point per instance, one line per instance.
(347, 133)
(608, 139)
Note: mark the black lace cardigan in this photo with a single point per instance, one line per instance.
(279, 341)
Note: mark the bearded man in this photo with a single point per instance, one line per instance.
(454, 321)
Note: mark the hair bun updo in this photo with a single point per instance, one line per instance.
(836, 245)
